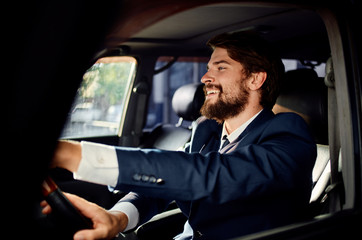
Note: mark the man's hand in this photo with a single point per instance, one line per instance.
(106, 224)
(67, 155)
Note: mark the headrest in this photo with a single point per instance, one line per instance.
(188, 100)
(304, 92)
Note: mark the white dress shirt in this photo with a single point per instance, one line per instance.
(236, 133)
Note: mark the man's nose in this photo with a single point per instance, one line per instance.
(207, 78)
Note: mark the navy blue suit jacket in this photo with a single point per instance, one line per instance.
(260, 181)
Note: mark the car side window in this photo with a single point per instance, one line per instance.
(292, 64)
(101, 99)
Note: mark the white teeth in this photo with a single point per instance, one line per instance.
(212, 91)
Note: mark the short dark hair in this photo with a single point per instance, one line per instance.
(255, 55)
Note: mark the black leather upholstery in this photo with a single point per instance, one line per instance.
(167, 137)
(187, 101)
(304, 92)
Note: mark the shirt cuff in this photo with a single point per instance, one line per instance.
(99, 164)
(130, 210)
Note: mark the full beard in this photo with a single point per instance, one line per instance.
(226, 107)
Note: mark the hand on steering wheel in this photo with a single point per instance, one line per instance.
(87, 220)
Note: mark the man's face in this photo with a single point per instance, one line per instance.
(225, 91)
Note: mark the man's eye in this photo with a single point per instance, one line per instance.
(221, 68)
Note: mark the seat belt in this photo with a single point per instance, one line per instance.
(335, 191)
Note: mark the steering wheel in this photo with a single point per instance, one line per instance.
(62, 209)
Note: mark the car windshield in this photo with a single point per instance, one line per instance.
(101, 99)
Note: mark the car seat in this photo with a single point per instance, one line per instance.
(186, 102)
(304, 93)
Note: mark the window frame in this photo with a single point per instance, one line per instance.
(127, 94)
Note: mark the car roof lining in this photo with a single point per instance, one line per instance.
(186, 32)
(201, 20)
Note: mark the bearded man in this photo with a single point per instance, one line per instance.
(245, 170)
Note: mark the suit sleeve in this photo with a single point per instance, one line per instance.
(281, 157)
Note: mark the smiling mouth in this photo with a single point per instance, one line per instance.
(212, 92)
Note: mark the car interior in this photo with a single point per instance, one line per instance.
(305, 37)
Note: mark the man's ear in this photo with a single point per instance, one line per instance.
(257, 80)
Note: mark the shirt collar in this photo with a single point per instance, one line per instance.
(235, 134)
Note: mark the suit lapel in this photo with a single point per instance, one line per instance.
(209, 137)
(263, 117)
(211, 145)
(208, 134)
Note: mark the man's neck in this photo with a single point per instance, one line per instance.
(233, 123)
